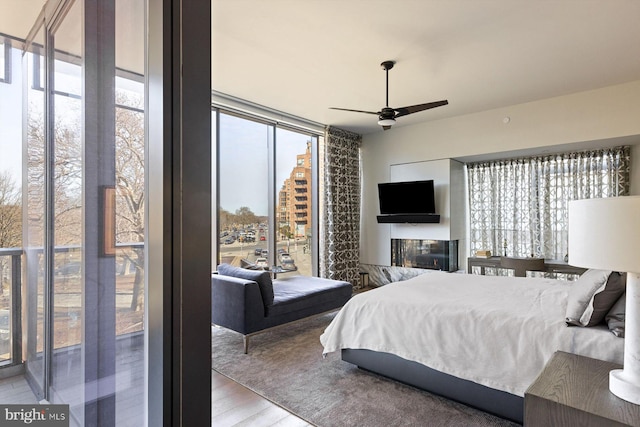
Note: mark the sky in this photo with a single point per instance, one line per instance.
(244, 162)
(11, 124)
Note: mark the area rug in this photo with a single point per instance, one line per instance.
(286, 366)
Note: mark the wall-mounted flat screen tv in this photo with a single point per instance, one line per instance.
(411, 197)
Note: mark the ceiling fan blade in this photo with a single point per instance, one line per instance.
(354, 111)
(421, 107)
(386, 127)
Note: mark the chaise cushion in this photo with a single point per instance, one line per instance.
(306, 295)
(262, 278)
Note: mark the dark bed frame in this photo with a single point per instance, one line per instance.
(497, 402)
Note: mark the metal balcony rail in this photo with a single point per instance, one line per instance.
(11, 305)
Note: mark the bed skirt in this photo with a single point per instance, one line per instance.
(497, 402)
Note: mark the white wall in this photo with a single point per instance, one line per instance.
(607, 116)
(440, 172)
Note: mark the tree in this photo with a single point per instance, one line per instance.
(10, 220)
(244, 216)
(10, 212)
(285, 231)
(67, 179)
(225, 218)
(130, 184)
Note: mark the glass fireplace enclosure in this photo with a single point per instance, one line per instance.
(421, 253)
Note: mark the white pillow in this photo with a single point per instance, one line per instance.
(581, 294)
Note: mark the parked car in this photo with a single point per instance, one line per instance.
(229, 240)
(288, 264)
(262, 262)
(283, 256)
(258, 252)
(262, 238)
(264, 253)
(69, 269)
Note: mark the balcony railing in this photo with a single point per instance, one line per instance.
(10, 306)
(67, 275)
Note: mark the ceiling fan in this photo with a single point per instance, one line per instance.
(387, 116)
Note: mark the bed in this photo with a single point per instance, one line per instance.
(480, 340)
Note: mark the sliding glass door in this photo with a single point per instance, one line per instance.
(64, 185)
(84, 210)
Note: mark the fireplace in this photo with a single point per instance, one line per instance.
(421, 253)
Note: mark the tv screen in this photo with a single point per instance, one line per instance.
(414, 197)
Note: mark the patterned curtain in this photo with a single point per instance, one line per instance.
(340, 220)
(519, 207)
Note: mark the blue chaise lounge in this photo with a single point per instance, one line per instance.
(249, 301)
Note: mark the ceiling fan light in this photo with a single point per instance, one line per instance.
(386, 122)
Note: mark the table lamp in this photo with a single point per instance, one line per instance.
(604, 234)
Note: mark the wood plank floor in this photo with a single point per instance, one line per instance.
(232, 404)
(235, 405)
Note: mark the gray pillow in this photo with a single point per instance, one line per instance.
(262, 278)
(581, 295)
(604, 299)
(615, 316)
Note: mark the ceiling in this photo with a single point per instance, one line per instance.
(18, 16)
(302, 57)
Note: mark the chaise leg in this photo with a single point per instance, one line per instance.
(245, 339)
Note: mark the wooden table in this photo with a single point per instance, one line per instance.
(573, 390)
(550, 266)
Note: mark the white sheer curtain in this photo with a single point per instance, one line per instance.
(518, 207)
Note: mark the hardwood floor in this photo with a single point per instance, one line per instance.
(232, 404)
(235, 405)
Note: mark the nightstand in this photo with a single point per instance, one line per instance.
(574, 391)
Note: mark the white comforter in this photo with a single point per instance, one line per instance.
(495, 331)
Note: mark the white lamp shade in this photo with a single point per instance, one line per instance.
(386, 122)
(605, 233)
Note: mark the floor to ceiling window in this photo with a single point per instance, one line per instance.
(10, 200)
(295, 197)
(266, 194)
(84, 207)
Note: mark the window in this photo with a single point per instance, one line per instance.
(262, 170)
(518, 207)
(10, 205)
(5, 61)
